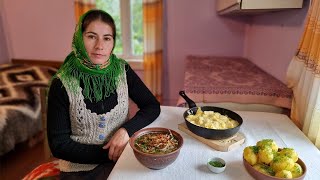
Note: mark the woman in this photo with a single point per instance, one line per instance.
(88, 101)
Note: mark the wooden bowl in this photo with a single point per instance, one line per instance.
(155, 161)
(258, 175)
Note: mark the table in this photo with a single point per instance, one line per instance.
(191, 162)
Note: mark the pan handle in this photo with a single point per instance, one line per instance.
(191, 103)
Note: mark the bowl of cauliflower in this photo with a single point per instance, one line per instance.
(266, 160)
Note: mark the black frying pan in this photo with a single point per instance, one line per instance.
(210, 133)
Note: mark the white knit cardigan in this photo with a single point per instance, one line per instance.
(90, 128)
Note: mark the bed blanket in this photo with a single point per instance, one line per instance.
(229, 79)
(20, 107)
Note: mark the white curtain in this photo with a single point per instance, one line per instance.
(303, 76)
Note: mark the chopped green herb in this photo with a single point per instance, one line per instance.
(255, 149)
(216, 163)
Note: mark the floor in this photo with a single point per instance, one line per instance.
(19, 162)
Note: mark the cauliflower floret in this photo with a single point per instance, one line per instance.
(222, 125)
(229, 124)
(192, 122)
(223, 118)
(208, 112)
(234, 123)
(208, 125)
(199, 112)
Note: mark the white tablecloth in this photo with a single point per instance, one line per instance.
(191, 162)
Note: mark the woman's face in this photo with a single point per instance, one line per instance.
(98, 41)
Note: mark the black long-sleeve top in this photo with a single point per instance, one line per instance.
(59, 127)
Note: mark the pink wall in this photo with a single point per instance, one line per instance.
(4, 54)
(193, 27)
(38, 29)
(272, 39)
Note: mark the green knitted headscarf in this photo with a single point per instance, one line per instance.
(98, 82)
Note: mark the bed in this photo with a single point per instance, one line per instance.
(20, 107)
(233, 83)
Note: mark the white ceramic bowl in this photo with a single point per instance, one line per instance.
(216, 169)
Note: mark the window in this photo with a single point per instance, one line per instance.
(128, 18)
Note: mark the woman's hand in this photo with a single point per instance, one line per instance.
(117, 144)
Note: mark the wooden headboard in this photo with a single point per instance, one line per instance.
(135, 65)
(55, 64)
